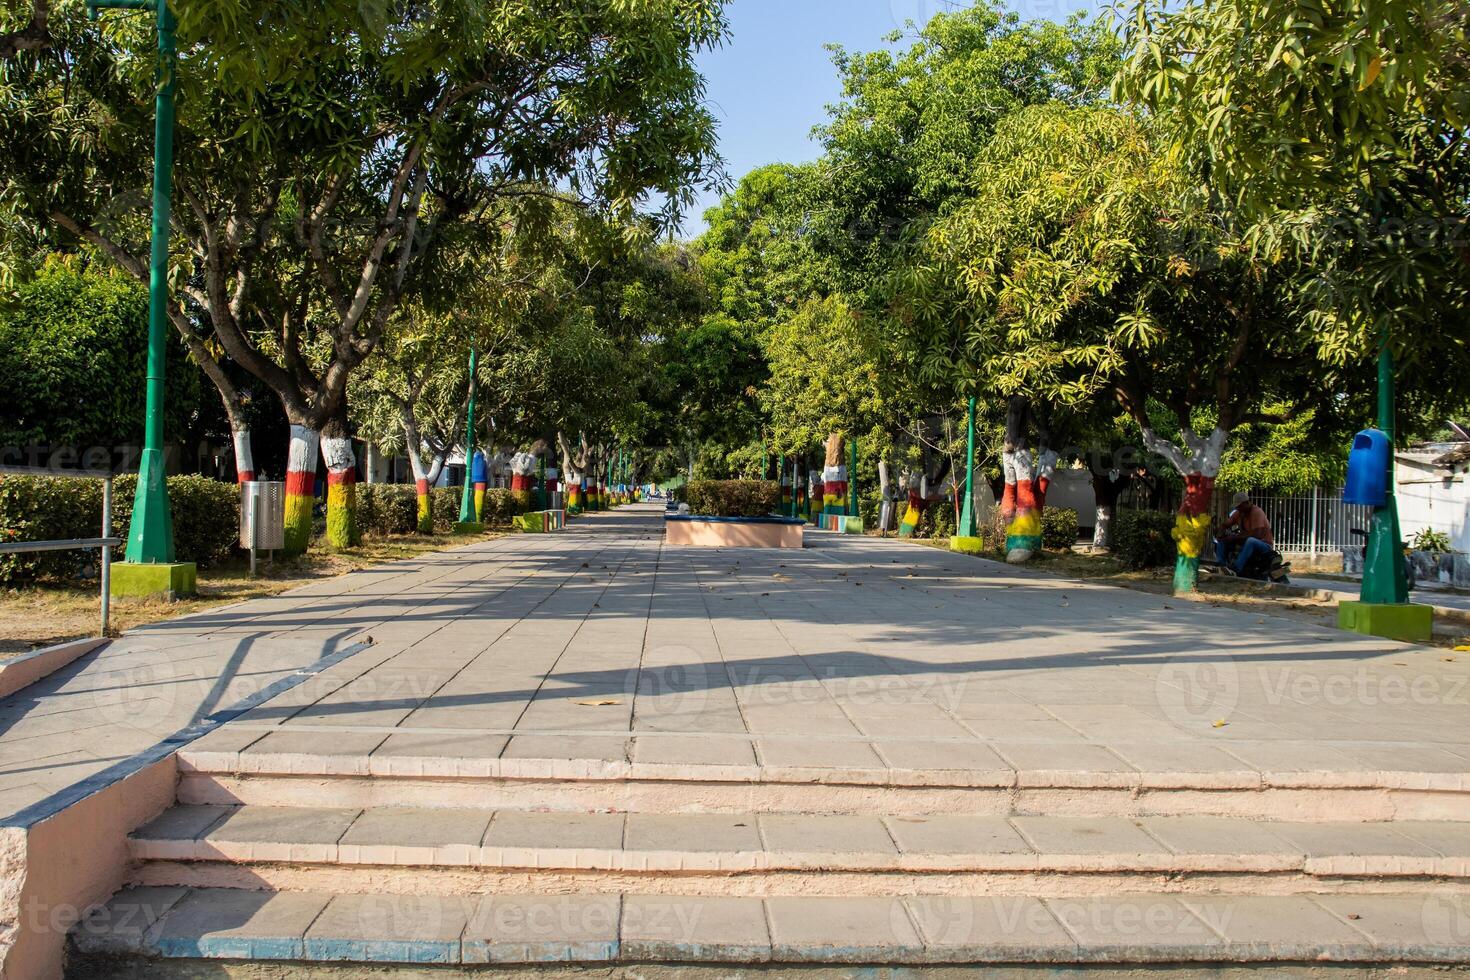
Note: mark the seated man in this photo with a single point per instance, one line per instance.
(1252, 533)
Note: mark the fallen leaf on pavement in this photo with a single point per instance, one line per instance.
(599, 704)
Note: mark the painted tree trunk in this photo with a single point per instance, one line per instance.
(913, 514)
(523, 479)
(480, 476)
(834, 477)
(1106, 489)
(1020, 506)
(1199, 464)
(814, 495)
(300, 488)
(342, 530)
(244, 459)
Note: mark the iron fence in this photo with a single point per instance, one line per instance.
(1315, 523)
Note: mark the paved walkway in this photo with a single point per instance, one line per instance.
(854, 654)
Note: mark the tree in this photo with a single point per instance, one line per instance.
(1090, 265)
(73, 353)
(904, 143)
(33, 32)
(1338, 131)
(314, 199)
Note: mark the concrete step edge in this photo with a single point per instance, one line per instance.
(224, 924)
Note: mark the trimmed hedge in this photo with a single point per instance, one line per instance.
(444, 507)
(387, 508)
(1143, 538)
(733, 498)
(206, 519)
(1058, 527)
(502, 506)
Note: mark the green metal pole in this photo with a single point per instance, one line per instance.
(852, 495)
(1384, 580)
(541, 502)
(967, 513)
(150, 532)
(467, 499)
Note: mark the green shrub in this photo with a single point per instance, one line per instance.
(386, 508)
(733, 498)
(1058, 527)
(444, 506)
(206, 520)
(501, 506)
(1143, 538)
(939, 519)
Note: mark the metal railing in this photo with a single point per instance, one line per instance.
(1314, 523)
(106, 542)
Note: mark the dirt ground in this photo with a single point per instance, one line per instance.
(54, 612)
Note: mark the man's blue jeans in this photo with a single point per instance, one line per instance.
(1248, 550)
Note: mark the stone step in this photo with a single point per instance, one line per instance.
(164, 932)
(604, 772)
(454, 851)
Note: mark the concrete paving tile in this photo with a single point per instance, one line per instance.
(704, 751)
(1060, 757)
(941, 755)
(543, 929)
(807, 833)
(607, 748)
(425, 745)
(1278, 927)
(1431, 928)
(284, 825)
(817, 754)
(996, 928)
(572, 831)
(1357, 839)
(1135, 929)
(390, 929)
(122, 924)
(360, 744)
(1086, 835)
(694, 928)
(1177, 756)
(1218, 835)
(691, 832)
(842, 930)
(1452, 839)
(956, 834)
(417, 827)
(182, 822)
(228, 923)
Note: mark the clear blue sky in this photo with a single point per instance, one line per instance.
(771, 83)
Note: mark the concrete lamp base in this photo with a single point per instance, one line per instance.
(967, 546)
(1395, 621)
(469, 527)
(173, 580)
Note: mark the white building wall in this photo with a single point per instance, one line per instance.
(1436, 497)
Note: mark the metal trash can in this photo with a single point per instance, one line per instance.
(263, 515)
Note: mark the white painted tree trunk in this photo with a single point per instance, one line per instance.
(244, 459)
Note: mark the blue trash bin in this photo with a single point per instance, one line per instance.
(1367, 473)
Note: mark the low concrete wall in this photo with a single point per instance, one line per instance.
(52, 871)
(27, 669)
(717, 533)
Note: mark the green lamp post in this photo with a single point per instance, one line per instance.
(150, 567)
(967, 510)
(1383, 608)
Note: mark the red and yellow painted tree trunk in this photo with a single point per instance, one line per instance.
(523, 479)
(1192, 530)
(814, 495)
(913, 514)
(342, 529)
(576, 497)
(425, 511)
(300, 488)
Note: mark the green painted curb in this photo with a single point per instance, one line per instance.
(469, 527)
(1409, 621)
(175, 580)
(967, 546)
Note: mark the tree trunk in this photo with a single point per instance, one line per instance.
(300, 487)
(834, 477)
(1199, 464)
(244, 459)
(1107, 487)
(523, 479)
(342, 530)
(1020, 507)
